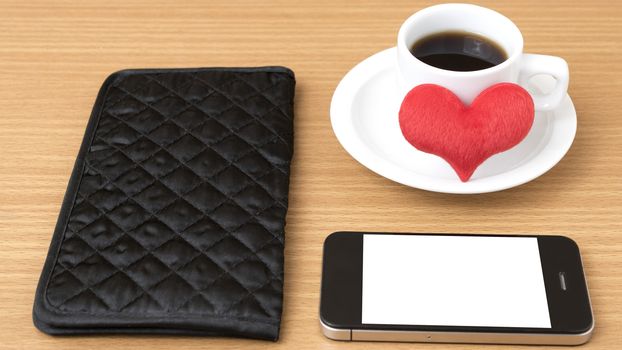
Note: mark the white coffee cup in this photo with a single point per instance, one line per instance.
(518, 68)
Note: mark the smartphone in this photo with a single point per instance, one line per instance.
(454, 288)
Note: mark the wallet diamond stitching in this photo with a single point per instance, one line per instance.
(181, 201)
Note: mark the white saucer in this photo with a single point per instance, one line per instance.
(364, 115)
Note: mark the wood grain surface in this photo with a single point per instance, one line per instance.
(55, 54)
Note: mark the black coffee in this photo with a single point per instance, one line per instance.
(458, 51)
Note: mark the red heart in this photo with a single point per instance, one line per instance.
(434, 120)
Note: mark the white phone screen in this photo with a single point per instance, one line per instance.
(453, 281)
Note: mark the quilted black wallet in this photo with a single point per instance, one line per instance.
(173, 220)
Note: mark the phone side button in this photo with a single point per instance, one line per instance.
(336, 333)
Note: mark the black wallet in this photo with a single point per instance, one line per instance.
(173, 220)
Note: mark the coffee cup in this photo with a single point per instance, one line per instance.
(517, 68)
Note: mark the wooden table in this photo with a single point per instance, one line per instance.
(55, 54)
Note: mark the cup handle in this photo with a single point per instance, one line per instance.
(531, 65)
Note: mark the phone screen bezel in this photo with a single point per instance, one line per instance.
(342, 281)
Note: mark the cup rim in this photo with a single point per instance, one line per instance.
(401, 40)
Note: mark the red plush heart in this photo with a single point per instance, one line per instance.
(434, 120)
